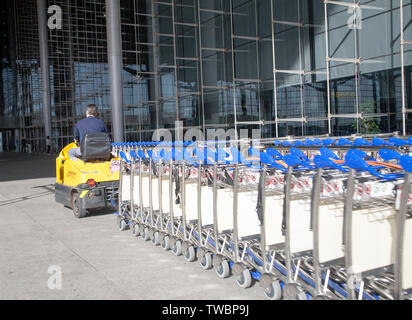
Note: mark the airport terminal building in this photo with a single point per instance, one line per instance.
(286, 67)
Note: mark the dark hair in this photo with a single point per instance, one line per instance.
(92, 110)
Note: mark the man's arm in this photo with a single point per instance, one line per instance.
(76, 134)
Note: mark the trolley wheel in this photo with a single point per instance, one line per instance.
(244, 280)
(121, 224)
(206, 261)
(223, 269)
(190, 254)
(177, 248)
(77, 210)
(155, 238)
(165, 244)
(145, 234)
(321, 297)
(274, 291)
(292, 291)
(136, 230)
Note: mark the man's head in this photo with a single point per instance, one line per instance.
(91, 110)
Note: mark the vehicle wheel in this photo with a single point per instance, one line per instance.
(77, 210)
(177, 248)
(292, 291)
(146, 235)
(206, 261)
(274, 292)
(244, 280)
(223, 270)
(155, 238)
(190, 254)
(165, 244)
(136, 230)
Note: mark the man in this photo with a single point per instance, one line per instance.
(88, 125)
(23, 144)
(48, 144)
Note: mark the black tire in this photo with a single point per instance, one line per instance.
(136, 230)
(244, 280)
(223, 270)
(78, 212)
(177, 248)
(121, 224)
(274, 291)
(206, 261)
(292, 291)
(165, 244)
(190, 254)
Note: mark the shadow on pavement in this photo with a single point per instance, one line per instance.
(23, 166)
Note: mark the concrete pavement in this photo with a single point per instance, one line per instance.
(96, 261)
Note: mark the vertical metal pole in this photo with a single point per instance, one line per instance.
(114, 50)
(302, 69)
(155, 41)
(235, 212)
(403, 70)
(160, 188)
(315, 227)
(347, 232)
(120, 187)
(183, 190)
(44, 65)
(175, 67)
(233, 67)
(171, 198)
(286, 225)
(357, 75)
(275, 98)
(141, 188)
(132, 174)
(327, 66)
(400, 225)
(263, 222)
(199, 202)
(215, 217)
(151, 191)
(201, 68)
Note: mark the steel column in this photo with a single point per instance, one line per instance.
(44, 65)
(114, 50)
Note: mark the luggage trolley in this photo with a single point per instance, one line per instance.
(403, 266)
(370, 231)
(124, 204)
(252, 225)
(205, 159)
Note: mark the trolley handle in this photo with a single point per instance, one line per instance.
(406, 163)
(387, 154)
(399, 142)
(324, 162)
(123, 156)
(354, 161)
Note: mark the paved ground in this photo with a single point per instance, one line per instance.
(96, 261)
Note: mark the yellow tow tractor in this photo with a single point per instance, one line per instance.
(90, 181)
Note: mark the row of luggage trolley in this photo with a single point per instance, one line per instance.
(312, 219)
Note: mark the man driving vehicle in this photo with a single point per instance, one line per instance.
(88, 125)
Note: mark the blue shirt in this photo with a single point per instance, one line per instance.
(88, 125)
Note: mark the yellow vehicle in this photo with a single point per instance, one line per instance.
(90, 181)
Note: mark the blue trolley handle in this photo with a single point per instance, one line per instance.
(123, 156)
(406, 163)
(324, 162)
(353, 161)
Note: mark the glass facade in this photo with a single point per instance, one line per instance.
(286, 67)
